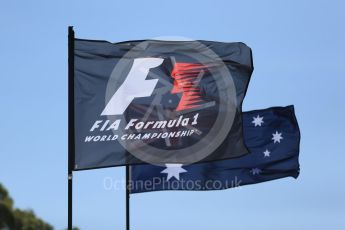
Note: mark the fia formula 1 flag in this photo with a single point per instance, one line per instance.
(158, 102)
(273, 138)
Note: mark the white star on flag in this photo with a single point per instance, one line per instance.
(173, 170)
(267, 153)
(257, 121)
(256, 171)
(277, 137)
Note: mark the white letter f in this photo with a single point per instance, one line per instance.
(135, 85)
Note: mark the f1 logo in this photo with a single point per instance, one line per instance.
(134, 86)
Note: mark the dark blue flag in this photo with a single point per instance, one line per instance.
(272, 136)
(157, 102)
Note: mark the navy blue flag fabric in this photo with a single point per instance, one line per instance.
(158, 102)
(272, 136)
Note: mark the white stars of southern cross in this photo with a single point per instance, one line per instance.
(267, 153)
(277, 137)
(258, 121)
(174, 170)
(256, 171)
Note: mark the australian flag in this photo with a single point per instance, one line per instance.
(273, 138)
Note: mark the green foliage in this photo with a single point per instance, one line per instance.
(27, 220)
(5, 197)
(6, 204)
(16, 219)
(6, 217)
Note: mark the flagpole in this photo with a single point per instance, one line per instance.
(70, 123)
(127, 197)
